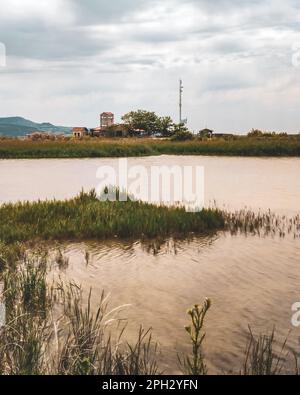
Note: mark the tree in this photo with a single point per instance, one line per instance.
(141, 119)
(149, 122)
(181, 133)
(165, 126)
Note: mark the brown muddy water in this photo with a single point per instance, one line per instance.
(251, 280)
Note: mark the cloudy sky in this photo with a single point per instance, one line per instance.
(69, 60)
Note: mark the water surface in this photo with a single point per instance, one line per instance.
(251, 280)
(231, 181)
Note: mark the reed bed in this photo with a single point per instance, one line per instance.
(262, 223)
(52, 329)
(130, 147)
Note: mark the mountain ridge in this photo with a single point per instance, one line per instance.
(18, 127)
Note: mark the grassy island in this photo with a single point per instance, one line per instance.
(85, 217)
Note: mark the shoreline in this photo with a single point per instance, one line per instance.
(111, 148)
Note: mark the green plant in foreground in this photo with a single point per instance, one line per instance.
(24, 337)
(10, 255)
(195, 365)
(87, 344)
(55, 330)
(261, 358)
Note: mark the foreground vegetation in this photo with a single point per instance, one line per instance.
(55, 328)
(132, 147)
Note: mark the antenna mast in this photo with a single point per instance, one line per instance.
(180, 101)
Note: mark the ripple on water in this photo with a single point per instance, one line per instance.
(251, 281)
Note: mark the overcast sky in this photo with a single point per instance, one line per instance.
(69, 60)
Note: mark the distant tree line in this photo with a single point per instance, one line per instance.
(148, 123)
(260, 133)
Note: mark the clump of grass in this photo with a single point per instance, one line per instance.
(22, 342)
(23, 338)
(139, 358)
(10, 255)
(53, 330)
(26, 288)
(87, 344)
(194, 364)
(83, 342)
(261, 358)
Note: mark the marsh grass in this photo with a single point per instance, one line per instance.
(265, 357)
(23, 338)
(10, 254)
(261, 223)
(52, 329)
(87, 345)
(100, 148)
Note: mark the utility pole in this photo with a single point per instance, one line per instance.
(180, 101)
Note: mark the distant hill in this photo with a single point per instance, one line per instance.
(18, 127)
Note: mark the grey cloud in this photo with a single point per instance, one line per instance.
(229, 45)
(106, 47)
(103, 11)
(221, 6)
(158, 36)
(33, 38)
(37, 41)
